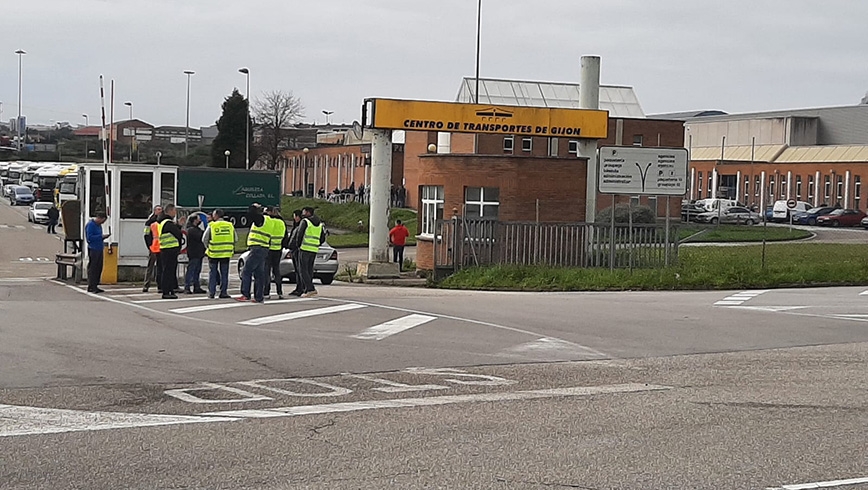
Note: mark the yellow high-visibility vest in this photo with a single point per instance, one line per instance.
(167, 240)
(278, 231)
(221, 243)
(259, 235)
(312, 234)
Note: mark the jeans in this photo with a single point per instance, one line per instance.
(219, 271)
(153, 272)
(398, 256)
(273, 273)
(52, 224)
(305, 272)
(194, 271)
(296, 266)
(255, 271)
(94, 269)
(169, 261)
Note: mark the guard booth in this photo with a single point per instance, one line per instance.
(135, 190)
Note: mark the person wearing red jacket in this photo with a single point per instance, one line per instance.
(398, 238)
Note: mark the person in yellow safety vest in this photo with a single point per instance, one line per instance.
(258, 241)
(152, 241)
(311, 234)
(219, 240)
(171, 240)
(277, 229)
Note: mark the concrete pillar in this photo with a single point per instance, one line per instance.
(847, 189)
(817, 198)
(315, 175)
(692, 183)
(589, 98)
(328, 188)
(739, 188)
(789, 184)
(714, 184)
(763, 193)
(381, 175)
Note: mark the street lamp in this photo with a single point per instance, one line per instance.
(246, 72)
(306, 177)
(86, 125)
(327, 114)
(227, 153)
(159, 155)
(131, 129)
(20, 54)
(189, 73)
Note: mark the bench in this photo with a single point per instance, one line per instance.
(65, 260)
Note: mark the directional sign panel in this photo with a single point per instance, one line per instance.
(643, 171)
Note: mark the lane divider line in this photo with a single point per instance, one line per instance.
(295, 315)
(393, 327)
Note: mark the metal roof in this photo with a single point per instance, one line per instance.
(824, 154)
(761, 153)
(620, 101)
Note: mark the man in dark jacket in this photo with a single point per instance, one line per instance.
(154, 271)
(53, 215)
(310, 235)
(171, 241)
(195, 254)
(292, 245)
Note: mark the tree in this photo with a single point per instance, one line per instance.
(275, 112)
(231, 128)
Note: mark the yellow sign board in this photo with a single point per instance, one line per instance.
(417, 115)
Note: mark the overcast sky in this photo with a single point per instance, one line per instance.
(736, 56)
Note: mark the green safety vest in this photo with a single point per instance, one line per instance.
(310, 241)
(278, 231)
(167, 240)
(259, 236)
(221, 244)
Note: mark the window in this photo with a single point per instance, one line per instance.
(710, 179)
(810, 187)
(444, 142)
(167, 189)
(756, 188)
(857, 191)
(828, 188)
(136, 198)
(432, 207)
(97, 192)
(746, 189)
(699, 185)
(527, 144)
(783, 187)
(652, 203)
(840, 188)
(798, 187)
(637, 140)
(508, 144)
(573, 147)
(553, 147)
(481, 202)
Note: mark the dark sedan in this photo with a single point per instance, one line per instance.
(842, 217)
(810, 216)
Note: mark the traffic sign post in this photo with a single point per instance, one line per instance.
(791, 205)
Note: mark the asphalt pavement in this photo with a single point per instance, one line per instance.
(375, 387)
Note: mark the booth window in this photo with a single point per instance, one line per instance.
(137, 190)
(432, 207)
(97, 192)
(167, 189)
(481, 202)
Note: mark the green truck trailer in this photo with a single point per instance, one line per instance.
(233, 190)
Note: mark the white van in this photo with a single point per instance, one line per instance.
(715, 204)
(781, 213)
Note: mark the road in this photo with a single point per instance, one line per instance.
(374, 387)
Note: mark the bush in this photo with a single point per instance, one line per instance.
(641, 214)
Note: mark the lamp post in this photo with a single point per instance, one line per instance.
(159, 155)
(227, 153)
(478, 44)
(20, 54)
(246, 72)
(131, 129)
(86, 125)
(306, 177)
(327, 114)
(189, 74)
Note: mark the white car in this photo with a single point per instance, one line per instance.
(781, 213)
(38, 212)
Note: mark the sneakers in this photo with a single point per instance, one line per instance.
(225, 296)
(210, 296)
(296, 293)
(261, 301)
(96, 291)
(309, 294)
(187, 291)
(241, 298)
(170, 296)
(199, 291)
(144, 290)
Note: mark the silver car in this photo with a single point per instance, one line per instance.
(735, 215)
(324, 268)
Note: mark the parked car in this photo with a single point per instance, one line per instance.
(842, 217)
(769, 212)
(865, 223)
(810, 216)
(20, 195)
(7, 189)
(324, 267)
(734, 215)
(690, 211)
(38, 212)
(781, 212)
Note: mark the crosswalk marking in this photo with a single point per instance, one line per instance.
(223, 306)
(739, 298)
(392, 327)
(295, 315)
(143, 301)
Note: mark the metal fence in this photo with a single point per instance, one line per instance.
(464, 242)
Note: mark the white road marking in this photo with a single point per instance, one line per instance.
(438, 400)
(739, 298)
(20, 279)
(198, 298)
(774, 309)
(392, 327)
(822, 484)
(20, 420)
(547, 347)
(295, 315)
(863, 293)
(223, 306)
(119, 290)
